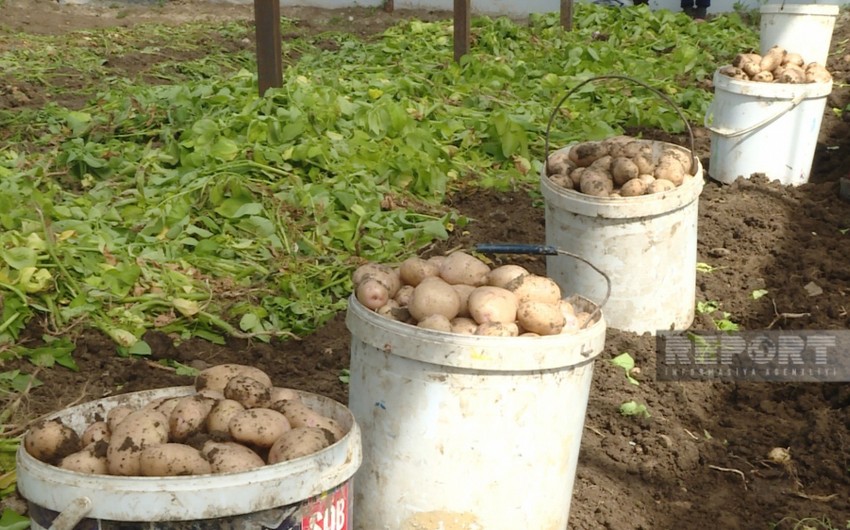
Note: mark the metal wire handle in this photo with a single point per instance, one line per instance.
(657, 92)
(547, 250)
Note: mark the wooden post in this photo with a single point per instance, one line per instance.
(389, 6)
(462, 29)
(567, 14)
(269, 60)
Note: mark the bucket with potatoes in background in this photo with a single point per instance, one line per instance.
(187, 459)
(766, 116)
(470, 384)
(630, 206)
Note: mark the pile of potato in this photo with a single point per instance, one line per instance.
(460, 293)
(620, 166)
(237, 421)
(776, 66)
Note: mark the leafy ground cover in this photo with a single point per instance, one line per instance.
(148, 193)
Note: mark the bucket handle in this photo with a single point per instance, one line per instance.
(547, 250)
(657, 92)
(729, 133)
(73, 514)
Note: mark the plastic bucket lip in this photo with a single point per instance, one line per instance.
(787, 91)
(473, 352)
(804, 9)
(154, 499)
(624, 207)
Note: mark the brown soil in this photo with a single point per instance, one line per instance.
(700, 459)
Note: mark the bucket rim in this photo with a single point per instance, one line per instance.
(800, 9)
(174, 498)
(476, 352)
(624, 207)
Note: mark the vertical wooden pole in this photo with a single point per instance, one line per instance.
(389, 6)
(269, 60)
(567, 14)
(463, 28)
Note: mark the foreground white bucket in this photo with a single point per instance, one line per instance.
(800, 28)
(647, 246)
(466, 432)
(769, 128)
(305, 493)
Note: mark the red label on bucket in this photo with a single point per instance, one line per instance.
(328, 512)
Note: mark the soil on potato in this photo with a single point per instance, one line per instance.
(702, 455)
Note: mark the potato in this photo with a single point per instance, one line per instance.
(209, 393)
(218, 420)
(492, 304)
(637, 148)
(772, 58)
(414, 270)
(51, 440)
(535, 287)
(300, 415)
(734, 72)
(434, 297)
(383, 274)
(744, 57)
(751, 68)
(540, 317)
(575, 176)
(585, 153)
(633, 188)
(464, 326)
(298, 442)
(646, 179)
(248, 391)
(669, 168)
(623, 170)
(216, 377)
(438, 260)
(659, 186)
(564, 181)
(684, 157)
(230, 457)
(763, 77)
(790, 74)
(172, 460)
(503, 275)
(559, 163)
(404, 295)
(116, 415)
(372, 293)
(596, 183)
(91, 459)
(816, 73)
(389, 310)
(436, 323)
(138, 430)
(259, 427)
(498, 329)
(644, 163)
(602, 164)
(460, 267)
(615, 144)
(463, 291)
(95, 432)
(794, 59)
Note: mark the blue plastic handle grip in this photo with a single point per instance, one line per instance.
(516, 248)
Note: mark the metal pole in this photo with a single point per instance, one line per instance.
(269, 60)
(462, 29)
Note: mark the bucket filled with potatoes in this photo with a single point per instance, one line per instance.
(235, 420)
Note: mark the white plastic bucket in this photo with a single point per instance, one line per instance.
(302, 494)
(799, 28)
(769, 128)
(466, 432)
(647, 246)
